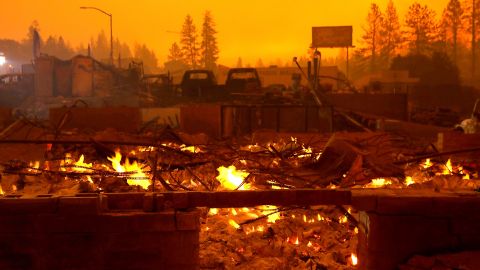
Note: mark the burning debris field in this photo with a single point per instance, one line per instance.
(348, 150)
(264, 236)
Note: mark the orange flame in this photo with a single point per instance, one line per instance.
(137, 178)
(378, 183)
(427, 164)
(448, 168)
(409, 181)
(354, 259)
(231, 178)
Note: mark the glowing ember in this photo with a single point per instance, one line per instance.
(231, 178)
(307, 152)
(272, 213)
(320, 218)
(34, 166)
(309, 244)
(191, 149)
(378, 183)
(1, 191)
(213, 211)
(233, 224)
(343, 219)
(409, 181)
(252, 215)
(296, 241)
(354, 259)
(427, 164)
(137, 176)
(355, 230)
(252, 148)
(234, 212)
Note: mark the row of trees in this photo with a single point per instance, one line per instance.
(454, 33)
(192, 51)
(99, 47)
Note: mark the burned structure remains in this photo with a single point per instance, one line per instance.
(108, 167)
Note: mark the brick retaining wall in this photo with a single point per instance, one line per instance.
(83, 233)
(398, 224)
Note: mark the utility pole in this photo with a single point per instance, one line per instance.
(111, 29)
(474, 42)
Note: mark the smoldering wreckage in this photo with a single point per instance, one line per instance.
(104, 167)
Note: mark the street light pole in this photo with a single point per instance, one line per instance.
(111, 30)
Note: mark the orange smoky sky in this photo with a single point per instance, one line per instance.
(250, 29)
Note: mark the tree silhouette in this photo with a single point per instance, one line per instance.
(209, 47)
(189, 43)
(453, 23)
(472, 12)
(391, 34)
(101, 48)
(175, 53)
(259, 63)
(147, 56)
(421, 23)
(432, 71)
(371, 37)
(239, 63)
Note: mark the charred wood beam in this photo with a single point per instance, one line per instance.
(126, 143)
(299, 197)
(440, 154)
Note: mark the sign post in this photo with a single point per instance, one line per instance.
(333, 37)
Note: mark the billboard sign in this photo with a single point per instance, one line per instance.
(332, 36)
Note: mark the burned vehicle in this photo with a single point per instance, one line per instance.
(472, 124)
(242, 81)
(198, 83)
(157, 89)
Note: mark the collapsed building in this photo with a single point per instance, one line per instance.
(263, 180)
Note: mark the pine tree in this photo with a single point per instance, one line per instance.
(453, 24)
(209, 47)
(239, 63)
(371, 37)
(422, 27)
(175, 53)
(189, 42)
(101, 48)
(391, 33)
(259, 63)
(472, 17)
(147, 56)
